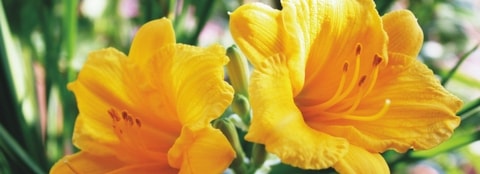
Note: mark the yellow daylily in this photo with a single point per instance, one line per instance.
(335, 84)
(150, 112)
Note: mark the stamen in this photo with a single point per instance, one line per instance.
(337, 116)
(358, 49)
(355, 76)
(341, 93)
(362, 80)
(113, 114)
(126, 131)
(124, 115)
(138, 122)
(345, 67)
(376, 60)
(332, 100)
(130, 120)
(373, 117)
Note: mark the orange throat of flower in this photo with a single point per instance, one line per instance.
(355, 91)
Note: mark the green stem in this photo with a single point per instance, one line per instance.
(455, 68)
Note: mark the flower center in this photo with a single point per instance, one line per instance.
(126, 127)
(348, 96)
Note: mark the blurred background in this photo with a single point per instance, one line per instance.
(43, 44)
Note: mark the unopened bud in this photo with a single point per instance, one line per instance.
(237, 70)
(229, 130)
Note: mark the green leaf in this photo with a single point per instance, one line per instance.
(9, 143)
(447, 77)
(20, 113)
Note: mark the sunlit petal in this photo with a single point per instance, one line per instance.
(404, 33)
(279, 125)
(360, 161)
(198, 84)
(421, 114)
(201, 151)
(83, 162)
(150, 38)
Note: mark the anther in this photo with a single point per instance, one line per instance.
(113, 115)
(130, 120)
(362, 80)
(358, 49)
(124, 115)
(376, 60)
(345, 67)
(138, 122)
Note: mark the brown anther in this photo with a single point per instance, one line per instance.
(358, 49)
(345, 67)
(362, 80)
(376, 60)
(138, 122)
(113, 115)
(130, 120)
(124, 115)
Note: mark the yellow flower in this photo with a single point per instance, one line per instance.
(335, 84)
(150, 112)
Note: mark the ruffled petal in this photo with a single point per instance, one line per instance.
(262, 32)
(201, 94)
(99, 87)
(360, 161)
(404, 33)
(199, 151)
(150, 38)
(111, 117)
(421, 114)
(257, 30)
(279, 124)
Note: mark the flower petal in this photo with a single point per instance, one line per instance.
(279, 124)
(150, 38)
(360, 161)
(201, 94)
(145, 168)
(404, 33)
(83, 162)
(256, 28)
(198, 151)
(262, 32)
(421, 114)
(102, 88)
(98, 87)
(337, 33)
